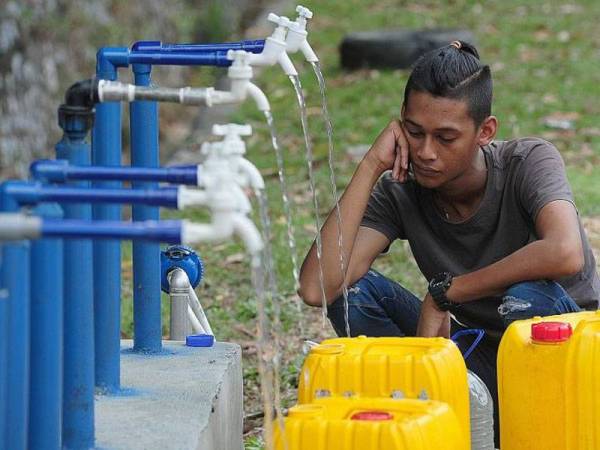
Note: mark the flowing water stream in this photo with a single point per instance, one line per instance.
(311, 178)
(271, 339)
(338, 214)
(264, 348)
(288, 213)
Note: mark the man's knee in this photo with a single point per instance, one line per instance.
(534, 298)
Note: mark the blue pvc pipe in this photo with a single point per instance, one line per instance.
(15, 282)
(3, 346)
(78, 381)
(54, 171)
(147, 326)
(106, 151)
(27, 193)
(253, 46)
(216, 59)
(167, 231)
(156, 53)
(46, 351)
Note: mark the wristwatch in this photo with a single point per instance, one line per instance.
(438, 286)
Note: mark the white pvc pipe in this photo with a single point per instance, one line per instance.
(198, 312)
(196, 325)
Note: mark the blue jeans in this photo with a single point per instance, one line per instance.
(377, 306)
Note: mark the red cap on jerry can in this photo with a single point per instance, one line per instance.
(372, 415)
(551, 331)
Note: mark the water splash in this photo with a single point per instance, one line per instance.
(287, 212)
(338, 214)
(264, 349)
(311, 177)
(274, 298)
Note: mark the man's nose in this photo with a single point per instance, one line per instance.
(427, 151)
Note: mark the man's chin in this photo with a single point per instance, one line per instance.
(429, 182)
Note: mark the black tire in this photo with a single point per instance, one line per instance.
(395, 49)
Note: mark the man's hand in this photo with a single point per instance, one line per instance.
(432, 321)
(390, 151)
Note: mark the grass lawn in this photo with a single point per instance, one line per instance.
(544, 58)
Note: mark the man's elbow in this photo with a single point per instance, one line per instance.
(570, 259)
(312, 295)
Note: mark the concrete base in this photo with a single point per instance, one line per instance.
(184, 398)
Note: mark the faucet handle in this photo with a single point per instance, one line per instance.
(240, 57)
(304, 12)
(280, 21)
(206, 148)
(231, 130)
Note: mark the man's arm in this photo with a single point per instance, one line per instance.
(557, 253)
(361, 245)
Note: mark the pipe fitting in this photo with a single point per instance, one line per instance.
(83, 94)
(16, 226)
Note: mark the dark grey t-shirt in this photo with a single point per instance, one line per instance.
(523, 176)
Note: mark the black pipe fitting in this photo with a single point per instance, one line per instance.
(78, 110)
(83, 93)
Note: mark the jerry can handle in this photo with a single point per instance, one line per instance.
(479, 332)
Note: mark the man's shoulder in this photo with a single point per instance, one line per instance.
(508, 153)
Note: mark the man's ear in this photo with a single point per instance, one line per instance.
(487, 130)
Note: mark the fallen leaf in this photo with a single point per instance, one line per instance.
(236, 258)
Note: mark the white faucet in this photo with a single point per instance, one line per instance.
(233, 149)
(274, 51)
(296, 38)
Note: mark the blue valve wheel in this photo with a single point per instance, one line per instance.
(180, 256)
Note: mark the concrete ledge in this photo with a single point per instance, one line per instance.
(183, 398)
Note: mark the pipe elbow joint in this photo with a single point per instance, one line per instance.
(178, 280)
(83, 94)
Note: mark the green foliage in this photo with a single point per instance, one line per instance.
(254, 443)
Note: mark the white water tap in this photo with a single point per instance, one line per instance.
(296, 38)
(232, 149)
(240, 73)
(274, 51)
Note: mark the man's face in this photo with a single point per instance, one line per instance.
(443, 139)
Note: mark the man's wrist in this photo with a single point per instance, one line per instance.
(372, 165)
(455, 292)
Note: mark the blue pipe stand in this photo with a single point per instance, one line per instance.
(78, 387)
(4, 299)
(147, 327)
(106, 151)
(14, 280)
(46, 353)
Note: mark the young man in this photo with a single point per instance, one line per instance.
(492, 224)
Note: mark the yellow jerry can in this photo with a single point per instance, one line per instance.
(388, 367)
(549, 383)
(370, 424)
